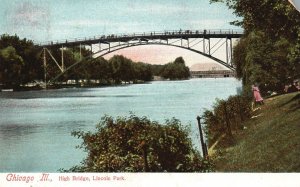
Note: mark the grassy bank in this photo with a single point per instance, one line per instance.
(269, 143)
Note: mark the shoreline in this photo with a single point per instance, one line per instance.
(79, 85)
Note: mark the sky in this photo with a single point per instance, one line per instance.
(51, 20)
(296, 4)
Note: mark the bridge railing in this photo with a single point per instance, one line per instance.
(143, 34)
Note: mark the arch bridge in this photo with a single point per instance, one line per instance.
(198, 41)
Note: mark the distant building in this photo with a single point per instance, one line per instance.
(210, 70)
(212, 74)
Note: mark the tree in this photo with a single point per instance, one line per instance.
(81, 70)
(268, 53)
(103, 70)
(122, 68)
(33, 67)
(176, 70)
(157, 69)
(135, 144)
(260, 60)
(142, 71)
(10, 64)
(23, 60)
(179, 60)
(274, 17)
(239, 56)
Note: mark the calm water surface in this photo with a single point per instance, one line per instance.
(36, 126)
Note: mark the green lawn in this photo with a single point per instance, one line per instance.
(271, 141)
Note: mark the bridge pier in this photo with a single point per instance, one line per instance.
(62, 58)
(80, 51)
(45, 66)
(209, 46)
(227, 50)
(231, 52)
(203, 44)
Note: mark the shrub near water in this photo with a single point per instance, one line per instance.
(134, 144)
(226, 117)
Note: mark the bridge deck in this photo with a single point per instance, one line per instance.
(165, 35)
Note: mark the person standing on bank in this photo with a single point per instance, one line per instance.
(256, 93)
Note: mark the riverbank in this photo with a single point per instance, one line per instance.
(84, 85)
(65, 85)
(270, 141)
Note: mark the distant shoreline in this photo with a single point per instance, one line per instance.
(80, 85)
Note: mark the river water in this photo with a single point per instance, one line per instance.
(36, 126)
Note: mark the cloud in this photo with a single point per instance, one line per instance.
(105, 26)
(94, 23)
(198, 8)
(27, 20)
(26, 14)
(209, 23)
(84, 23)
(158, 8)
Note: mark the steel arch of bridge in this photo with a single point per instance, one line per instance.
(153, 38)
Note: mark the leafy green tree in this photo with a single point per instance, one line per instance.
(274, 17)
(122, 68)
(10, 64)
(268, 54)
(157, 69)
(239, 56)
(97, 69)
(31, 68)
(81, 70)
(142, 71)
(103, 69)
(134, 144)
(259, 60)
(176, 70)
(169, 71)
(179, 60)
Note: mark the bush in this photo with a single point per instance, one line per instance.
(136, 144)
(226, 117)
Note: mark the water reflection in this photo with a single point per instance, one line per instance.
(14, 131)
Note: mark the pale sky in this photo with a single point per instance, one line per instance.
(47, 20)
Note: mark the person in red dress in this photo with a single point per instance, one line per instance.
(256, 93)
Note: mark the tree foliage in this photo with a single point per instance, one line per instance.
(136, 144)
(176, 70)
(122, 68)
(226, 118)
(142, 71)
(115, 70)
(18, 61)
(274, 17)
(268, 54)
(11, 64)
